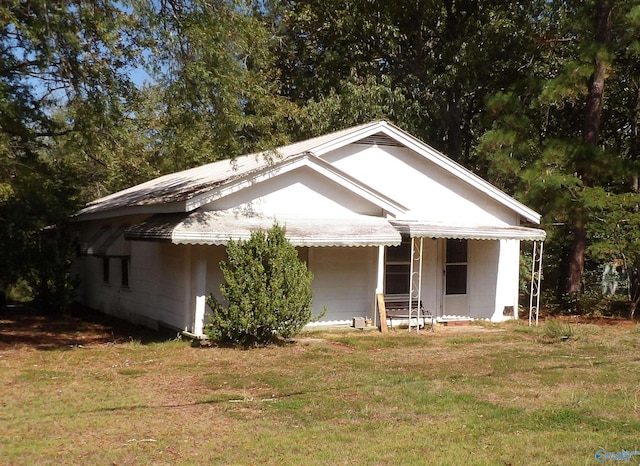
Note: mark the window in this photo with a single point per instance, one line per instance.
(456, 267)
(303, 254)
(124, 276)
(398, 267)
(106, 272)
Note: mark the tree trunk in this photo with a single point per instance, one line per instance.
(453, 118)
(596, 87)
(591, 133)
(634, 148)
(576, 257)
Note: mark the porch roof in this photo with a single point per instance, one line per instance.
(104, 242)
(218, 227)
(416, 228)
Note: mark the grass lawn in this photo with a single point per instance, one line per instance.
(78, 392)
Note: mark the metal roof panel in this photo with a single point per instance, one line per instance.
(219, 227)
(419, 229)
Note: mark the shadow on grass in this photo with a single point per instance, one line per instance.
(26, 326)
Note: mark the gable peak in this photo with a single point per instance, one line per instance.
(379, 139)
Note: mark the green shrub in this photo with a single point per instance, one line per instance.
(268, 290)
(19, 292)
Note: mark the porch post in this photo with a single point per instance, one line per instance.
(379, 280)
(200, 293)
(415, 280)
(536, 276)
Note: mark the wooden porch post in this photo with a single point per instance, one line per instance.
(200, 293)
(380, 292)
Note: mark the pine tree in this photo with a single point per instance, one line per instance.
(561, 135)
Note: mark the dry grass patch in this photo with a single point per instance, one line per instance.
(487, 396)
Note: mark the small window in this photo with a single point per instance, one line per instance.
(397, 279)
(397, 268)
(456, 267)
(456, 251)
(106, 272)
(400, 253)
(124, 277)
(303, 254)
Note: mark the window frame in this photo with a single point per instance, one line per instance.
(106, 270)
(125, 272)
(459, 286)
(401, 263)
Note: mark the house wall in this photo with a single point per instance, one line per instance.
(157, 290)
(428, 191)
(492, 274)
(492, 279)
(293, 193)
(508, 280)
(344, 282)
(163, 281)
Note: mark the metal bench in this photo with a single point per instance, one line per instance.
(397, 307)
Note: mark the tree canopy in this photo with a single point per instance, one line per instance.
(542, 98)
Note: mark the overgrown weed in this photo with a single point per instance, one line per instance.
(555, 331)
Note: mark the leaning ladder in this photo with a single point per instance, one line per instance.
(415, 280)
(536, 277)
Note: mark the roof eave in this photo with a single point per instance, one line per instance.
(87, 214)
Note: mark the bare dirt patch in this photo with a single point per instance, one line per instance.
(23, 326)
(598, 320)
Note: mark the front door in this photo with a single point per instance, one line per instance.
(456, 278)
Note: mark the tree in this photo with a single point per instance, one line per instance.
(268, 290)
(591, 136)
(72, 119)
(64, 87)
(562, 134)
(215, 90)
(436, 60)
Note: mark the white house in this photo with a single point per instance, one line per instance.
(371, 210)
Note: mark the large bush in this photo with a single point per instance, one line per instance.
(267, 288)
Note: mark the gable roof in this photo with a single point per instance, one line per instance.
(327, 170)
(186, 190)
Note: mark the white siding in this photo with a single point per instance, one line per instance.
(158, 277)
(302, 191)
(508, 277)
(428, 191)
(344, 279)
(160, 272)
(344, 282)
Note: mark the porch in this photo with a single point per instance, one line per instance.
(455, 273)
